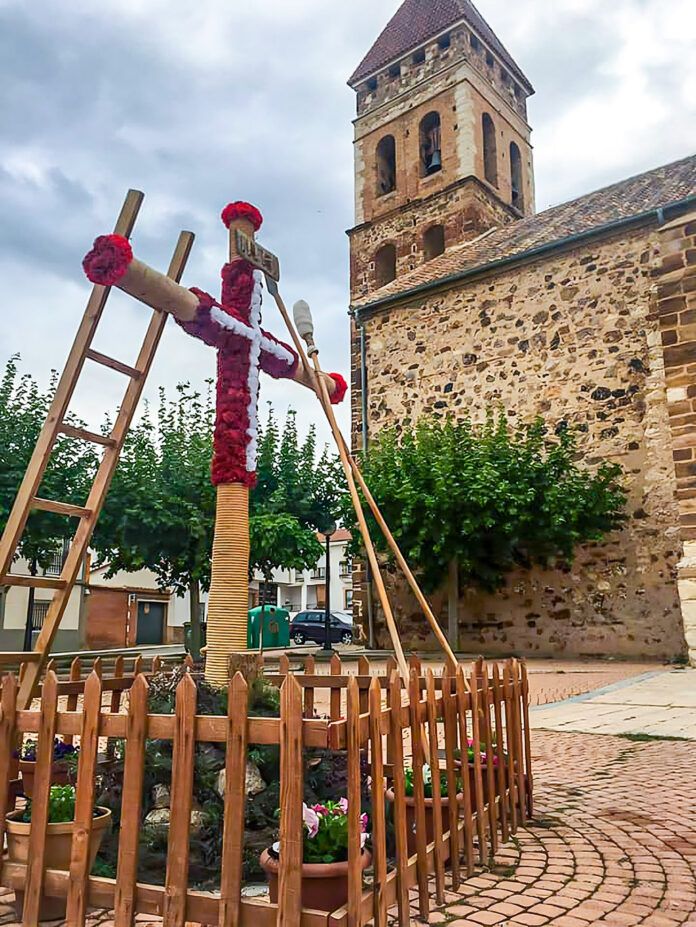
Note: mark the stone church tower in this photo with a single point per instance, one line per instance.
(442, 143)
(465, 299)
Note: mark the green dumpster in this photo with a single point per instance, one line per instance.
(276, 627)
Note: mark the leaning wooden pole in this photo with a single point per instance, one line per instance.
(356, 475)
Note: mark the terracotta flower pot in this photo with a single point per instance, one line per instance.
(58, 848)
(411, 818)
(60, 775)
(324, 885)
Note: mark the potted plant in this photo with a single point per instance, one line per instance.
(325, 859)
(62, 769)
(428, 792)
(61, 820)
(484, 765)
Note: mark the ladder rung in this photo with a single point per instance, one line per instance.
(85, 435)
(60, 508)
(37, 582)
(113, 364)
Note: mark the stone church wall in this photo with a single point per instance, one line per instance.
(574, 336)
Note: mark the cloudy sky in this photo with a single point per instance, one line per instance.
(197, 103)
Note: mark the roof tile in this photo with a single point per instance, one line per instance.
(652, 190)
(416, 21)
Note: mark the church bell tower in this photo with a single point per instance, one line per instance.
(442, 142)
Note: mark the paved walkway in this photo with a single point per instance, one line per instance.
(653, 704)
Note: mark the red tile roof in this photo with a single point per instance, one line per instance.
(340, 535)
(417, 21)
(623, 201)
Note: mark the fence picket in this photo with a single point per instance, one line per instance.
(235, 799)
(478, 778)
(419, 793)
(115, 706)
(379, 826)
(490, 769)
(291, 794)
(510, 744)
(527, 740)
(431, 713)
(463, 703)
(138, 665)
(75, 676)
(396, 751)
(176, 883)
(354, 796)
(156, 665)
(84, 802)
(335, 698)
(310, 669)
(7, 746)
(131, 805)
(449, 714)
(283, 664)
(39, 805)
(364, 670)
(517, 736)
(500, 754)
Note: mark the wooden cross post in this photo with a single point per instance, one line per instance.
(233, 326)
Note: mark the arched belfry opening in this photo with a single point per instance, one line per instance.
(490, 150)
(434, 242)
(386, 165)
(385, 265)
(430, 144)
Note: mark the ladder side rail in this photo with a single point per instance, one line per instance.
(102, 481)
(59, 406)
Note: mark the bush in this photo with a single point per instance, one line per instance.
(494, 497)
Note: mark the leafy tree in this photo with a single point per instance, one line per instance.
(23, 410)
(296, 496)
(472, 503)
(160, 511)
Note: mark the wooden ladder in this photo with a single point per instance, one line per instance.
(55, 424)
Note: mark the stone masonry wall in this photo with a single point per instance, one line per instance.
(676, 312)
(574, 337)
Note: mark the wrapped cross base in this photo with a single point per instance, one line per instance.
(233, 327)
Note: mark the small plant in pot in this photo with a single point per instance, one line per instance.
(63, 769)
(325, 859)
(428, 792)
(483, 753)
(59, 833)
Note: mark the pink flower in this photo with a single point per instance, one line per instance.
(363, 823)
(311, 820)
(343, 805)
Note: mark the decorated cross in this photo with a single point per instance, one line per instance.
(233, 326)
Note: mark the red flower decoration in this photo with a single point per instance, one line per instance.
(108, 260)
(242, 211)
(339, 393)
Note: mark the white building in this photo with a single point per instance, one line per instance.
(298, 591)
(130, 608)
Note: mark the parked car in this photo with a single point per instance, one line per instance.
(310, 626)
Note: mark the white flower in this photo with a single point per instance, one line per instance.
(427, 775)
(343, 805)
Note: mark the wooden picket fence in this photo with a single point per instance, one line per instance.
(379, 718)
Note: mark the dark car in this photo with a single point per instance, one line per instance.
(310, 626)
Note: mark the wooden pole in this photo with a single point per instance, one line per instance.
(357, 476)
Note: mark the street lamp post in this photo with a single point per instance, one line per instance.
(327, 648)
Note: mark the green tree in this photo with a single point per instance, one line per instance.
(160, 511)
(23, 410)
(296, 495)
(468, 504)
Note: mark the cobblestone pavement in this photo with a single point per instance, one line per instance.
(613, 841)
